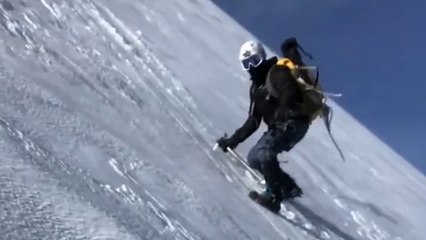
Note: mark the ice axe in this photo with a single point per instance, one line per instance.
(243, 161)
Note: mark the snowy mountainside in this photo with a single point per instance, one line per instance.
(109, 110)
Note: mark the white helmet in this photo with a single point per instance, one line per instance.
(252, 54)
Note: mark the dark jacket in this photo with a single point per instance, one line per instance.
(271, 110)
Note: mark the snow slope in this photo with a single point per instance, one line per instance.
(109, 110)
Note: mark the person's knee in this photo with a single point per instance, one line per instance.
(260, 152)
(252, 158)
(256, 157)
(259, 157)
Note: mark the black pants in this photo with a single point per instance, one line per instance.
(263, 155)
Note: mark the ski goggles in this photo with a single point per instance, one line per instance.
(252, 61)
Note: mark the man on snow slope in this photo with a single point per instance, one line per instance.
(277, 99)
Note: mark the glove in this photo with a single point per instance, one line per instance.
(225, 142)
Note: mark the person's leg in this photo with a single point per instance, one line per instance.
(285, 139)
(290, 134)
(263, 157)
(258, 151)
(273, 142)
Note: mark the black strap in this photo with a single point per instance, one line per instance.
(304, 52)
(316, 78)
(251, 99)
(251, 105)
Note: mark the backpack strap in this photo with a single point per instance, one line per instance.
(328, 116)
(316, 78)
(251, 107)
(304, 52)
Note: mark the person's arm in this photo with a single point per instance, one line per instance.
(247, 129)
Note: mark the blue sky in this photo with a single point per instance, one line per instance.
(371, 51)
